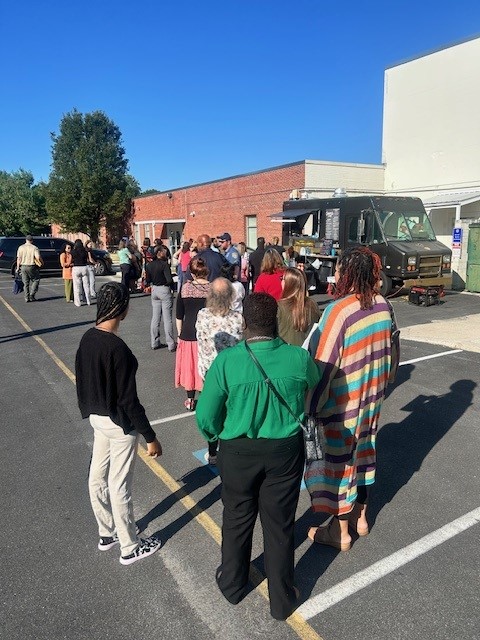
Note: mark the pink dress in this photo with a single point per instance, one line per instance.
(190, 300)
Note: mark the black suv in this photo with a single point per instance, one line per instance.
(50, 249)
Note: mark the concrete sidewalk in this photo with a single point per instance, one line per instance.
(457, 333)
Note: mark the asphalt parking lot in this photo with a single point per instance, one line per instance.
(415, 576)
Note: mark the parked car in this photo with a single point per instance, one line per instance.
(50, 249)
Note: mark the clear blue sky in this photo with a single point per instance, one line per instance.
(206, 90)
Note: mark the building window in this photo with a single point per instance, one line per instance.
(251, 231)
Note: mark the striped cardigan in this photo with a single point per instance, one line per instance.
(352, 349)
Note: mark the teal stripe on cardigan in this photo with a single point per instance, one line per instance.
(368, 331)
(324, 480)
(354, 385)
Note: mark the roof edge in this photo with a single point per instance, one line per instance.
(432, 51)
(234, 177)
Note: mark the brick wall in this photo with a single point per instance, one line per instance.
(57, 233)
(224, 204)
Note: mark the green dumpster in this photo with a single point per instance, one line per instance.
(473, 259)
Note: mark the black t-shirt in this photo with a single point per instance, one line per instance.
(79, 256)
(158, 273)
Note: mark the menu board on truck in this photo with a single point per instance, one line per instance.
(332, 224)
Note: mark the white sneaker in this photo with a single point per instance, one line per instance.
(147, 547)
(107, 542)
(212, 460)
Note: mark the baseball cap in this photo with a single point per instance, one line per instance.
(225, 236)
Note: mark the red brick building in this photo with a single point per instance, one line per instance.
(241, 205)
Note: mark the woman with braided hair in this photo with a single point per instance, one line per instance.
(352, 348)
(107, 394)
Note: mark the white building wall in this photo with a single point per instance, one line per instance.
(431, 126)
(322, 178)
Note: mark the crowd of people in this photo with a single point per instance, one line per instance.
(222, 257)
(78, 270)
(254, 356)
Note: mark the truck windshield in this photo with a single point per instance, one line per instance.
(406, 226)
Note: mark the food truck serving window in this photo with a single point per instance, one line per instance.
(364, 228)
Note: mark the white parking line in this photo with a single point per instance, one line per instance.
(365, 578)
(434, 355)
(179, 416)
(192, 413)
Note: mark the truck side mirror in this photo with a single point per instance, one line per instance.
(361, 230)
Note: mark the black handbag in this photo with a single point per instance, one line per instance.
(312, 431)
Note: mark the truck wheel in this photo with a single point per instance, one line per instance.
(386, 285)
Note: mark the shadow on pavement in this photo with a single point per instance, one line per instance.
(39, 332)
(49, 298)
(193, 480)
(403, 446)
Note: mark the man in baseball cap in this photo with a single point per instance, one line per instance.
(229, 251)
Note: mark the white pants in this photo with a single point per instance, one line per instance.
(80, 280)
(110, 481)
(91, 280)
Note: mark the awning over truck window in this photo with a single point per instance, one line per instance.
(291, 214)
(443, 200)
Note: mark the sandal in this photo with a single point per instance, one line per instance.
(189, 404)
(323, 535)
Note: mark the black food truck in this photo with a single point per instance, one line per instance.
(396, 228)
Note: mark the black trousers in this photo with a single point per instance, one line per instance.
(127, 274)
(260, 476)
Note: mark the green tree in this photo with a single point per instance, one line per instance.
(89, 186)
(22, 204)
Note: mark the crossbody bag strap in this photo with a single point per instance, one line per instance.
(272, 387)
(392, 317)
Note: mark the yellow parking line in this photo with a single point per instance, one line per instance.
(41, 342)
(295, 621)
